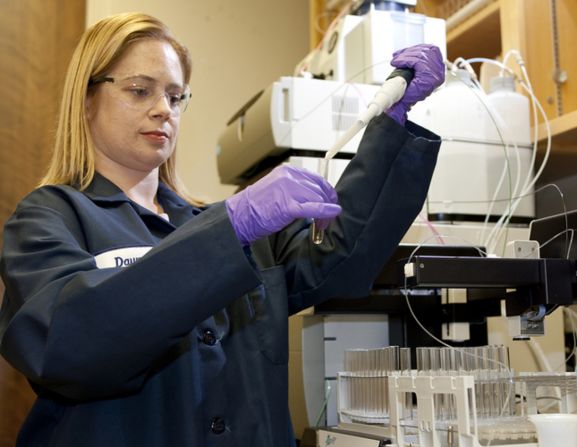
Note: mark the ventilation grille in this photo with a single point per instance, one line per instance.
(345, 112)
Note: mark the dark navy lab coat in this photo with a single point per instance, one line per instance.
(139, 332)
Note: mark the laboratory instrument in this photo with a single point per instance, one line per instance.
(305, 114)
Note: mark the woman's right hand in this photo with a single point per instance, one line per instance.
(284, 195)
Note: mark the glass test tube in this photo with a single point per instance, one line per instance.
(317, 232)
(405, 370)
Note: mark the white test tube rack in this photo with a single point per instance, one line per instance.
(462, 388)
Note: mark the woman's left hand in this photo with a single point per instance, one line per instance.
(427, 62)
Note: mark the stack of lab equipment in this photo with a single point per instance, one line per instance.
(484, 174)
(298, 118)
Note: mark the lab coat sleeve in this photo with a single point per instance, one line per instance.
(86, 333)
(381, 192)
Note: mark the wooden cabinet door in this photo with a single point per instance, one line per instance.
(36, 41)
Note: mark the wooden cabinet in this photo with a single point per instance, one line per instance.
(36, 41)
(544, 31)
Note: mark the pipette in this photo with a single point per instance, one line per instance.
(390, 92)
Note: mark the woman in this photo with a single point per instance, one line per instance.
(142, 319)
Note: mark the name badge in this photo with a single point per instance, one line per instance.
(120, 257)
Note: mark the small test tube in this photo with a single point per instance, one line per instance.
(318, 233)
(405, 369)
(405, 361)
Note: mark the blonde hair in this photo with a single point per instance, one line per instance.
(99, 49)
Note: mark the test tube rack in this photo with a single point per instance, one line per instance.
(454, 408)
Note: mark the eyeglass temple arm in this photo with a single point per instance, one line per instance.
(100, 80)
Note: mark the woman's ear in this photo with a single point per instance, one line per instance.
(90, 104)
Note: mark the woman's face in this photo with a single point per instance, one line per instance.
(133, 112)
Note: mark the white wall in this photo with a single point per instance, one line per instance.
(237, 48)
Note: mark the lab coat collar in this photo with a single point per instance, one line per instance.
(165, 194)
(103, 190)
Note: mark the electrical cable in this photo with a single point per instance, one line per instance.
(499, 126)
(526, 85)
(532, 193)
(540, 357)
(503, 67)
(498, 123)
(502, 224)
(567, 231)
(495, 117)
(432, 228)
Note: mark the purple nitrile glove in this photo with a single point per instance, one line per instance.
(427, 62)
(285, 194)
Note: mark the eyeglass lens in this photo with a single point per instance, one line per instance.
(140, 92)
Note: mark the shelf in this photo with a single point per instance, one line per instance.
(563, 132)
(478, 35)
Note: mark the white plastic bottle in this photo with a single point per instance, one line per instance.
(514, 109)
